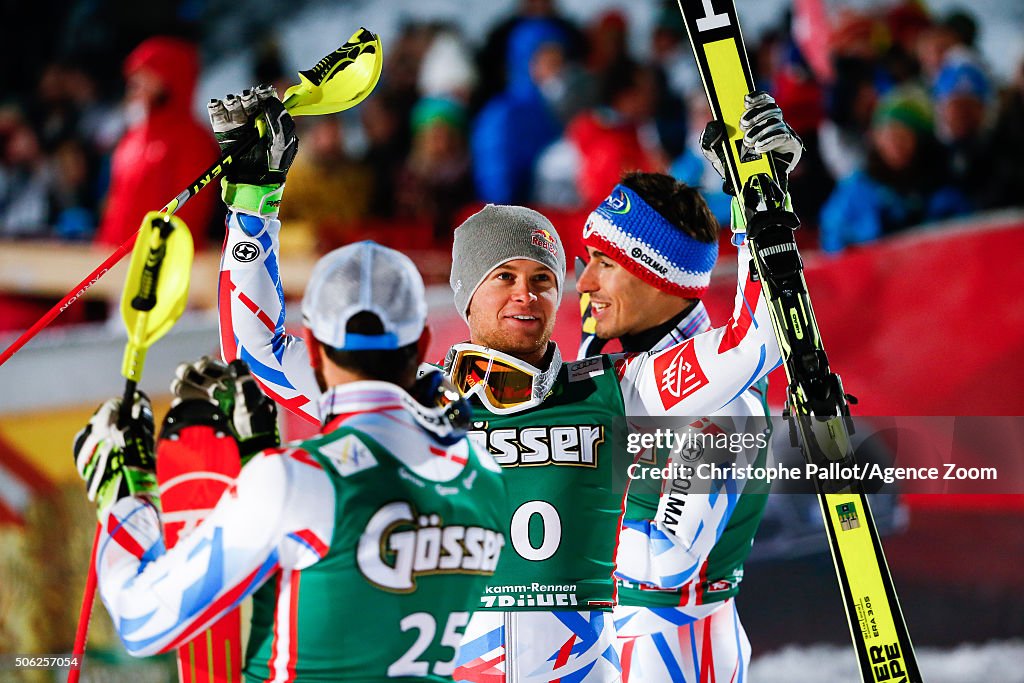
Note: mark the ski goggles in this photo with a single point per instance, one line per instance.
(503, 383)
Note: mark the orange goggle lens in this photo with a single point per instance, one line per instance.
(504, 385)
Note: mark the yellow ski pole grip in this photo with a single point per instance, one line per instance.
(145, 300)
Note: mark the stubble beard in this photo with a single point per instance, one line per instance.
(605, 330)
(518, 345)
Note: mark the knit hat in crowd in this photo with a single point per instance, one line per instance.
(498, 234)
(431, 110)
(630, 232)
(908, 106)
(963, 77)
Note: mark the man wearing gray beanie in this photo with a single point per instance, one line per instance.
(496, 248)
(549, 425)
(546, 611)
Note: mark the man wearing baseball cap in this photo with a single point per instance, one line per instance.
(547, 611)
(353, 543)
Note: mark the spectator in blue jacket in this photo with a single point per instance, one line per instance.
(904, 182)
(515, 126)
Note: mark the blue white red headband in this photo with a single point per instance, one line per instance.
(642, 241)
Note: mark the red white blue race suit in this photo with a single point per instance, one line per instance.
(701, 638)
(300, 512)
(693, 378)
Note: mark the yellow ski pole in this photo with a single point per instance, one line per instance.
(155, 294)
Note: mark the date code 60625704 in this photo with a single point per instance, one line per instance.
(9, 662)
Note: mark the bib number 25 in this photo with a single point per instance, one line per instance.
(410, 663)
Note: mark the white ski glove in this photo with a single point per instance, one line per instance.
(117, 460)
(764, 130)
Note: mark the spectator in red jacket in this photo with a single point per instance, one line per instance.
(165, 148)
(610, 139)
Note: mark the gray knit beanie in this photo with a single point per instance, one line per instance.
(498, 234)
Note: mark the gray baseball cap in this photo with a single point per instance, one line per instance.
(365, 277)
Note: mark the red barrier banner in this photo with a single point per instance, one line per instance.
(921, 324)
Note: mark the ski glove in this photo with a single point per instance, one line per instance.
(117, 460)
(252, 182)
(233, 399)
(438, 406)
(764, 130)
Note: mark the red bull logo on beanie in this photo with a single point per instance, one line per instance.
(544, 239)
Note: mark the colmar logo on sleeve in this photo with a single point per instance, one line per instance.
(678, 375)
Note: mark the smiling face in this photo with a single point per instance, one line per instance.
(513, 310)
(622, 303)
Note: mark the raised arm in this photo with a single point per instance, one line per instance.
(251, 307)
(251, 298)
(701, 375)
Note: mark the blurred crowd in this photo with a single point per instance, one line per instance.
(902, 121)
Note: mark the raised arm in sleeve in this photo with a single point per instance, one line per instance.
(252, 313)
